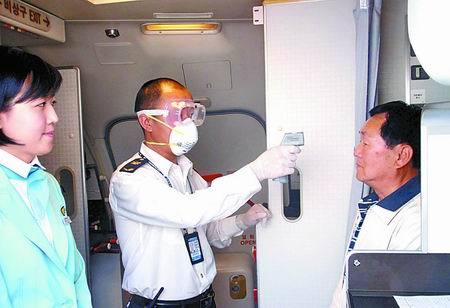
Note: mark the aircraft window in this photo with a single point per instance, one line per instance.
(292, 197)
(65, 177)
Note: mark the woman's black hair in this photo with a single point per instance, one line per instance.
(16, 67)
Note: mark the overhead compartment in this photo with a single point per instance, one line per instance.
(25, 25)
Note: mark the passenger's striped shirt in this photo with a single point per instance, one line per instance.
(363, 207)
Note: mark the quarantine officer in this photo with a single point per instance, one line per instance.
(166, 216)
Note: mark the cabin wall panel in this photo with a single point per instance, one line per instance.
(109, 91)
(394, 50)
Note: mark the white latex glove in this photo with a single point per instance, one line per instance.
(275, 162)
(255, 214)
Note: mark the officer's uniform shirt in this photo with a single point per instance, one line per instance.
(149, 216)
(23, 169)
(393, 223)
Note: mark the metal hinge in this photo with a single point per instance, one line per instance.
(258, 15)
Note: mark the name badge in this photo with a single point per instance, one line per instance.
(193, 247)
(67, 220)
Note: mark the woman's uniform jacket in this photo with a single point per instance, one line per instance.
(33, 273)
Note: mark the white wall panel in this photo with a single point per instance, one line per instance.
(310, 68)
(68, 153)
(435, 168)
(394, 50)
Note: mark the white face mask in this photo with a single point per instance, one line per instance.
(183, 137)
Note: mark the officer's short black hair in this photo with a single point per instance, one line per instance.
(16, 67)
(402, 126)
(150, 93)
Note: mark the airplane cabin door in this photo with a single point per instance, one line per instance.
(310, 69)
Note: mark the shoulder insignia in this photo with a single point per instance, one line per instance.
(134, 165)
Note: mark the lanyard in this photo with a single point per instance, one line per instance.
(185, 231)
(160, 172)
(191, 240)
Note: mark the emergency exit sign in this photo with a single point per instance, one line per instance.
(25, 13)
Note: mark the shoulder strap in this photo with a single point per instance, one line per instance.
(134, 165)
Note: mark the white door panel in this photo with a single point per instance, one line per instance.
(310, 68)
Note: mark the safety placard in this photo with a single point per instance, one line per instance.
(26, 14)
(248, 241)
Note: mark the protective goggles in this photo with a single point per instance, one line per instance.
(176, 111)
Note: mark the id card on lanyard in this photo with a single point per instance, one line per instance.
(193, 246)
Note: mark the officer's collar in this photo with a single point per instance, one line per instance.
(163, 164)
(185, 165)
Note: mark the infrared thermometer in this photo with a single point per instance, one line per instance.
(295, 138)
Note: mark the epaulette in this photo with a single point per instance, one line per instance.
(134, 165)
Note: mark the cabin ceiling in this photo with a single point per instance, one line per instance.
(144, 9)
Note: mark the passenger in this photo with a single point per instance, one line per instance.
(40, 265)
(387, 160)
(166, 217)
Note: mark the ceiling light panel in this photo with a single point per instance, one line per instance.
(96, 2)
(181, 28)
(183, 15)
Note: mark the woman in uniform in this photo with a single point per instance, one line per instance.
(40, 265)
